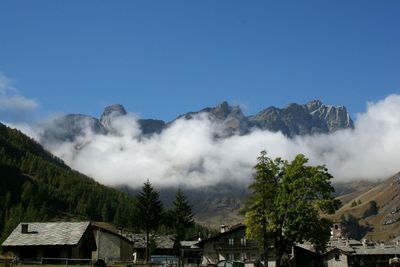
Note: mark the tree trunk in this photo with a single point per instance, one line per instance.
(278, 258)
(265, 249)
(278, 250)
(147, 245)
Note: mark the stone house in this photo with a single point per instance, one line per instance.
(112, 246)
(344, 253)
(230, 244)
(162, 250)
(51, 242)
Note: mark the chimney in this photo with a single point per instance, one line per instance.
(364, 243)
(24, 228)
(223, 228)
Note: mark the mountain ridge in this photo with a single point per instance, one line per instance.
(311, 118)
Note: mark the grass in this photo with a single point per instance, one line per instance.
(37, 265)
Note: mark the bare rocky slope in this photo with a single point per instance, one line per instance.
(377, 209)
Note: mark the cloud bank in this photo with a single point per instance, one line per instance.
(13, 106)
(188, 154)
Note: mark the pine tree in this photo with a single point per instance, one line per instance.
(148, 214)
(181, 215)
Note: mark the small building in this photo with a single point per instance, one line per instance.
(231, 245)
(344, 253)
(51, 242)
(162, 248)
(112, 246)
(191, 253)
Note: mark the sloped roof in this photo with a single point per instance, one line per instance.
(189, 244)
(353, 247)
(377, 250)
(109, 228)
(46, 234)
(162, 241)
(228, 230)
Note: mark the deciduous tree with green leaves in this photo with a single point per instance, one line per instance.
(285, 205)
(148, 214)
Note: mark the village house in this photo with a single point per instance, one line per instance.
(51, 242)
(231, 245)
(162, 249)
(191, 253)
(343, 252)
(112, 246)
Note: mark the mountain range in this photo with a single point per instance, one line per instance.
(311, 118)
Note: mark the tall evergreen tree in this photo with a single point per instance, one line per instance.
(286, 202)
(149, 213)
(181, 215)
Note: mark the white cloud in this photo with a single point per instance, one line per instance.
(17, 103)
(188, 154)
(13, 106)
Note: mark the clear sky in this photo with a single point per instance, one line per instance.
(163, 58)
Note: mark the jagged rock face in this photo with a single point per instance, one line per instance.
(68, 127)
(335, 117)
(295, 119)
(311, 118)
(231, 117)
(150, 126)
(109, 114)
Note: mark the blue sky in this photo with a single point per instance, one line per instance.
(164, 58)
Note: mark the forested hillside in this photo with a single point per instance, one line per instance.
(36, 186)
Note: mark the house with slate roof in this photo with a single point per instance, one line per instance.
(163, 251)
(51, 241)
(344, 252)
(231, 245)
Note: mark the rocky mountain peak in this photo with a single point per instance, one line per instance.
(222, 111)
(311, 118)
(110, 113)
(313, 105)
(113, 110)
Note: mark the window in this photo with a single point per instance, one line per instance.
(243, 241)
(230, 241)
(337, 257)
(244, 256)
(248, 256)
